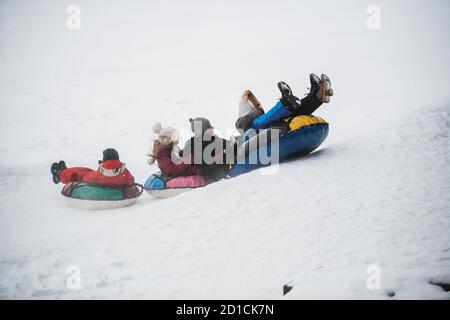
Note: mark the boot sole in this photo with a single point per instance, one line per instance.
(284, 89)
(54, 168)
(327, 83)
(56, 180)
(286, 92)
(314, 80)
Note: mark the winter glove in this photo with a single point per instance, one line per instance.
(152, 155)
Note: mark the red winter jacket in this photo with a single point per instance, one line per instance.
(166, 164)
(111, 173)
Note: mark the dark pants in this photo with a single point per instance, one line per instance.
(308, 105)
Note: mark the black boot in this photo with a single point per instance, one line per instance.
(289, 101)
(308, 104)
(56, 169)
(315, 81)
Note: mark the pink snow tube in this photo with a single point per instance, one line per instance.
(161, 186)
(186, 182)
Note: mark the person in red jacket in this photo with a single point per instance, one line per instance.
(111, 172)
(165, 150)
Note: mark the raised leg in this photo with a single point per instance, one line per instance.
(278, 112)
(73, 174)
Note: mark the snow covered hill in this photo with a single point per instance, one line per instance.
(376, 196)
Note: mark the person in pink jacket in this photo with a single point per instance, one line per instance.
(164, 149)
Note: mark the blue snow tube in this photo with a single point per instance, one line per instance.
(306, 134)
(155, 182)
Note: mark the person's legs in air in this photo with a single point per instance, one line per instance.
(276, 113)
(319, 93)
(61, 173)
(290, 105)
(74, 174)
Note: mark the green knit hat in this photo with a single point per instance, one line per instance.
(110, 154)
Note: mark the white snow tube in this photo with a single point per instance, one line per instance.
(167, 193)
(98, 204)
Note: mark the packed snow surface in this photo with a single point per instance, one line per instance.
(365, 216)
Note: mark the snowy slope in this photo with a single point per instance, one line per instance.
(376, 193)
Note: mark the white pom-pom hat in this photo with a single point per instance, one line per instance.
(156, 127)
(167, 132)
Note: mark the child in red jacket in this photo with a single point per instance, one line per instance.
(164, 148)
(111, 172)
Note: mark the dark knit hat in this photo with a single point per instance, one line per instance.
(198, 123)
(110, 154)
